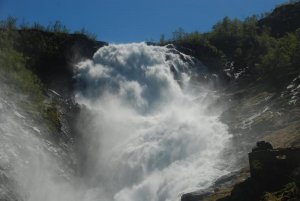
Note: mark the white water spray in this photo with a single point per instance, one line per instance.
(32, 166)
(148, 134)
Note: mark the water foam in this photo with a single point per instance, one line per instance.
(148, 133)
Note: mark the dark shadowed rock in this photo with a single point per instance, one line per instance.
(52, 55)
(285, 18)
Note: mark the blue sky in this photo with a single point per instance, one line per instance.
(133, 20)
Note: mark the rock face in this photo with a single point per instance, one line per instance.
(268, 164)
(193, 196)
(274, 175)
(285, 18)
(272, 171)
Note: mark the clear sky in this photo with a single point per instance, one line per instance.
(133, 20)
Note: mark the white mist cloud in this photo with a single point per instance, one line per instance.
(148, 139)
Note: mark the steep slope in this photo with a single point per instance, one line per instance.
(283, 19)
(52, 55)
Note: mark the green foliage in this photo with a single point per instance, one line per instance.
(13, 71)
(90, 35)
(202, 48)
(9, 24)
(227, 35)
(59, 27)
(52, 115)
(40, 47)
(247, 44)
(12, 63)
(38, 26)
(179, 34)
(162, 39)
(282, 58)
(29, 53)
(56, 27)
(236, 39)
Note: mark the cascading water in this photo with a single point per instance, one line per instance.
(148, 134)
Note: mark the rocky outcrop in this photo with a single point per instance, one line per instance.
(274, 175)
(271, 165)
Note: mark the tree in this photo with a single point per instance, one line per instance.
(162, 39)
(179, 34)
(10, 23)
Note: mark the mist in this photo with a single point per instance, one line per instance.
(33, 166)
(146, 129)
(145, 132)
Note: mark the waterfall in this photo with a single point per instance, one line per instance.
(147, 131)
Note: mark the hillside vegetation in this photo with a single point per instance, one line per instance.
(35, 59)
(15, 74)
(261, 48)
